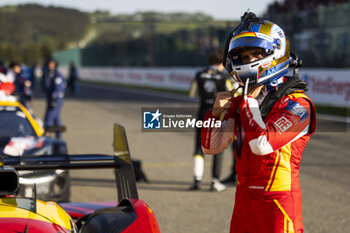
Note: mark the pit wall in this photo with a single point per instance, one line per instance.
(326, 86)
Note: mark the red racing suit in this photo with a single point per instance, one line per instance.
(268, 154)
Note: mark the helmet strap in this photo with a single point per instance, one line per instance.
(274, 84)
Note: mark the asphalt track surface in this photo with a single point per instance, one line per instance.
(167, 161)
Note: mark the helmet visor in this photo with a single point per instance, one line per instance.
(237, 45)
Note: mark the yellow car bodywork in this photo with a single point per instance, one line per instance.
(37, 128)
(49, 212)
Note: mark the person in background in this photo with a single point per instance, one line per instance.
(33, 76)
(8, 78)
(73, 78)
(13, 74)
(207, 83)
(25, 88)
(269, 137)
(55, 87)
(7, 86)
(2, 67)
(44, 75)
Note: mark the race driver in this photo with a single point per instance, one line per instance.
(269, 138)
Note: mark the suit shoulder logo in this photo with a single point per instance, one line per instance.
(283, 124)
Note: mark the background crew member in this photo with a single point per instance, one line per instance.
(55, 87)
(207, 83)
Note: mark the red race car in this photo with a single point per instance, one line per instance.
(28, 214)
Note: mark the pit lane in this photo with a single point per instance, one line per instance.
(167, 161)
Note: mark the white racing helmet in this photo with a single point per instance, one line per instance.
(254, 32)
